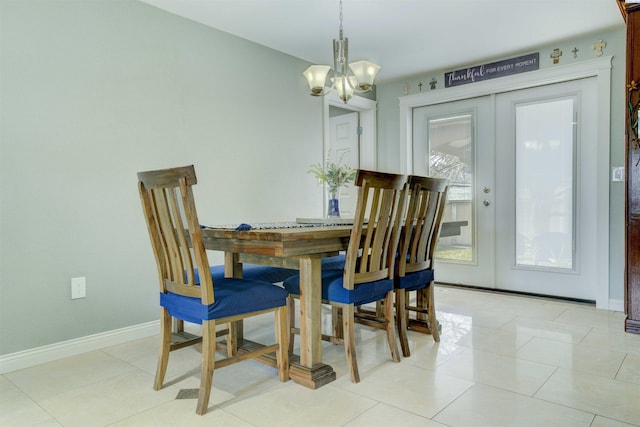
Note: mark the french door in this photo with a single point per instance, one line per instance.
(455, 140)
(521, 166)
(546, 190)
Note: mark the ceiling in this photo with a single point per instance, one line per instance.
(405, 37)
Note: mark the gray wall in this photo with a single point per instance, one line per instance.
(92, 92)
(389, 126)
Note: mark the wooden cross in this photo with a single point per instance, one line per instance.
(575, 52)
(598, 46)
(555, 55)
(420, 86)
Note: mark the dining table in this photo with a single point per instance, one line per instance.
(299, 246)
(295, 246)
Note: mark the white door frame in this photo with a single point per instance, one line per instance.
(600, 68)
(367, 109)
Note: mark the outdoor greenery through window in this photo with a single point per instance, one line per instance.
(451, 157)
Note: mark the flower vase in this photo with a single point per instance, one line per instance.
(334, 204)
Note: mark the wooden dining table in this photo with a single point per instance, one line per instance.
(299, 247)
(296, 247)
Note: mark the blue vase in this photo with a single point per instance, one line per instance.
(334, 204)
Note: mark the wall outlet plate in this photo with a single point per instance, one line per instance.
(617, 173)
(78, 287)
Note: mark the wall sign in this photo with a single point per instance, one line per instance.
(493, 70)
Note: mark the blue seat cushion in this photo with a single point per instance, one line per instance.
(256, 272)
(232, 296)
(333, 262)
(415, 280)
(333, 290)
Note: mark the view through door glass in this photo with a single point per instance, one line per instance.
(451, 157)
(545, 184)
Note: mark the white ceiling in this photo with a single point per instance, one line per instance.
(405, 37)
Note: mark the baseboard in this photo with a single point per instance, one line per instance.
(35, 356)
(614, 304)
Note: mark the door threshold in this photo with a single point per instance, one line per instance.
(520, 293)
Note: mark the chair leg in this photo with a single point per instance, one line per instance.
(291, 321)
(208, 361)
(421, 302)
(349, 341)
(232, 339)
(282, 338)
(380, 310)
(431, 306)
(178, 325)
(165, 348)
(336, 320)
(390, 326)
(401, 321)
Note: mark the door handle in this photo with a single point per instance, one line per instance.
(486, 202)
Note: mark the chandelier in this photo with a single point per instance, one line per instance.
(347, 78)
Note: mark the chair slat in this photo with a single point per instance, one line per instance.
(182, 245)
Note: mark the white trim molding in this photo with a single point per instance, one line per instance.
(35, 356)
(599, 68)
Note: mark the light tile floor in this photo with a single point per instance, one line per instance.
(503, 360)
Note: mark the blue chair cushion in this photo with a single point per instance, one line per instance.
(415, 280)
(232, 296)
(333, 290)
(255, 272)
(333, 262)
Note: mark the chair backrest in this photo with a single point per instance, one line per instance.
(372, 245)
(427, 197)
(172, 221)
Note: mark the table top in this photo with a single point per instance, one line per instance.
(279, 242)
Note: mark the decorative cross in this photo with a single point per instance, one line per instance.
(575, 52)
(420, 86)
(598, 46)
(555, 55)
(433, 82)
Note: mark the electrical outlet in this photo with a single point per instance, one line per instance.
(617, 173)
(78, 287)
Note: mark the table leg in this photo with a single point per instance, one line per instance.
(233, 268)
(310, 371)
(310, 312)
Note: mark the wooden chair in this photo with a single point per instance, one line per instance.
(172, 222)
(368, 271)
(414, 269)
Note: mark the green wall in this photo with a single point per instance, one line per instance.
(92, 92)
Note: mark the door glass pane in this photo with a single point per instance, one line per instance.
(544, 187)
(451, 157)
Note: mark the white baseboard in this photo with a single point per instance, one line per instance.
(616, 305)
(35, 356)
